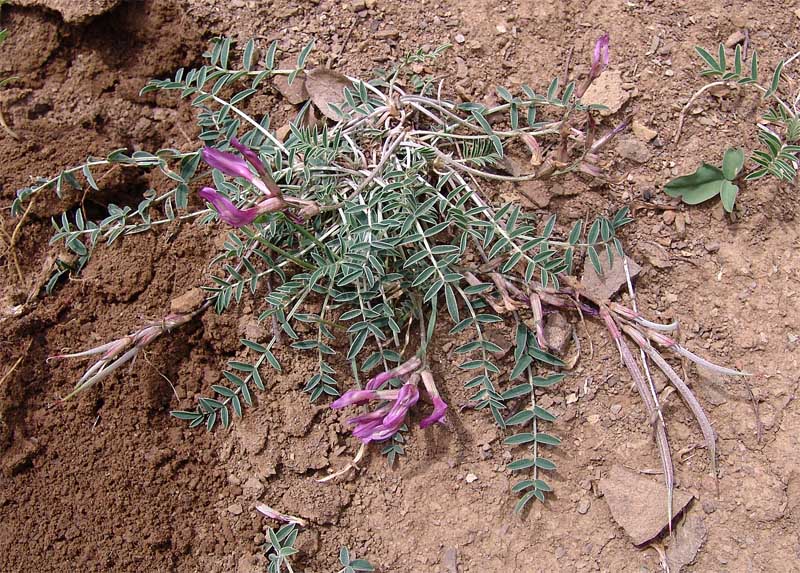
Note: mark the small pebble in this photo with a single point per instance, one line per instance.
(471, 478)
(460, 39)
(736, 38)
(583, 506)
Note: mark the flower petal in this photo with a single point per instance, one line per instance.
(251, 156)
(439, 410)
(230, 164)
(227, 211)
(354, 397)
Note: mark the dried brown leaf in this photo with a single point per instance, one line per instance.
(327, 87)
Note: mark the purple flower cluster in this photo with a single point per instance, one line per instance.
(384, 422)
(234, 166)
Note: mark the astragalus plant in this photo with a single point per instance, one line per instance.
(373, 230)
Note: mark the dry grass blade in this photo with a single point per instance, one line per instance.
(667, 342)
(685, 392)
(650, 404)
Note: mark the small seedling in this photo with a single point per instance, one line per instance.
(710, 181)
(778, 129)
(350, 565)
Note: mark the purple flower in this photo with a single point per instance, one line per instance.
(383, 423)
(228, 163)
(379, 380)
(234, 216)
(251, 156)
(439, 410)
(400, 371)
(369, 416)
(600, 56)
(228, 212)
(388, 427)
(353, 398)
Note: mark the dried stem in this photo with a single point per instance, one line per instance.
(650, 403)
(687, 395)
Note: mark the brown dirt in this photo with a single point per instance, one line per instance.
(110, 482)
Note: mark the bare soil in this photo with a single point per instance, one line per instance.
(109, 482)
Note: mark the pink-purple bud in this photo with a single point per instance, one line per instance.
(379, 380)
(400, 371)
(369, 416)
(600, 56)
(600, 59)
(228, 163)
(354, 398)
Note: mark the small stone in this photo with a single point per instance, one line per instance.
(535, 192)
(358, 5)
(707, 121)
(471, 478)
(387, 34)
(235, 509)
(450, 560)
(296, 92)
(572, 397)
(637, 503)
(680, 224)
(689, 538)
(656, 255)
(634, 149)
(668, 217)
(616, 409)
(283, 132)
(643, 132)
(253, 487)
(605, 286)
(460, 39)
(593, 419)
(557, 332)
(669, 73)
(501, 28)
(711, 247)
(583, 506)
(607, 90)
(736, 38)
(187, 302)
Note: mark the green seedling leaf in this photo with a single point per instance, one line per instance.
(728, 195)
(732, 163)
(698, 187)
